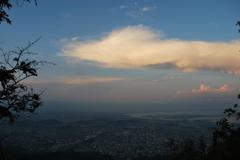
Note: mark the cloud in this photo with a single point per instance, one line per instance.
(123, 6)
(137, 10)
(84, 80)
(207, 89)
(92, 80)
(135, 13)
(204, 88)
(148, 8)
(167, 77)
(140, 46)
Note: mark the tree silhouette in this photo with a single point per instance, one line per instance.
(238, 24)
(226, 137)
(15, 67)
(6, 5)
(15, 96)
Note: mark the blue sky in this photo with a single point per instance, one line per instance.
(80, 37)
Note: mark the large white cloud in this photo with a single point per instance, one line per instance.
(139, 46)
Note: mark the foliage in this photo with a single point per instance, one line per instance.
(226, 137)
(6, 5)
(15, 96)
(238, 24)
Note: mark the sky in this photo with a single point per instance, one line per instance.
(132, 51)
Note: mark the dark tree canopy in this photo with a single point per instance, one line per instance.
(226, 137)
(238, 25)
(5, 6)
(15, 96)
